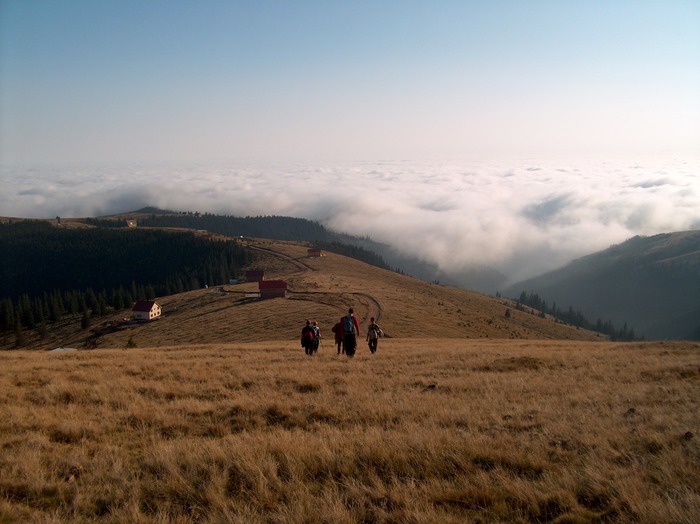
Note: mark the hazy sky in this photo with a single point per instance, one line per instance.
(156, 80)
(512, 134)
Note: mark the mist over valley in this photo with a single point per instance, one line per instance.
(479, 225)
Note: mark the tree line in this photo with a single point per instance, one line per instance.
(275, 227)
(48, 272)
(575, 317)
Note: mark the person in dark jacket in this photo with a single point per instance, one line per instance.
(350, 329)
(307, 337)
(336, 329)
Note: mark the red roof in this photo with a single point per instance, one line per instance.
(272, 284)
(144, 305)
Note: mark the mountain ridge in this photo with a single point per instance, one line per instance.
(660, 258)
(651, 283)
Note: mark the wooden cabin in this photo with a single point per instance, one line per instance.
(272, 289)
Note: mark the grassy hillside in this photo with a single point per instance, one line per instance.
(321, 289)
(425, 430)
(301, 230)
(650, 283)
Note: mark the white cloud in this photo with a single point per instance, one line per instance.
(519, 219)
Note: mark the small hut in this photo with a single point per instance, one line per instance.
(146, 310)
(272, 289)
(313, 252)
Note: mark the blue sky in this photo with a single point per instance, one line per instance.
(315, 81)
(511, 135)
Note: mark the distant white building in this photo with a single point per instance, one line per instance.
(146, 310)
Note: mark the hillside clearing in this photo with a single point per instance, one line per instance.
(320, 289)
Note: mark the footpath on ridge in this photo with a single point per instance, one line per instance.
(374, 308)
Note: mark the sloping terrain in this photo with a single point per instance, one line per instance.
(650, 283)
(323, 289)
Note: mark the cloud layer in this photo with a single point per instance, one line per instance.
(521, 219)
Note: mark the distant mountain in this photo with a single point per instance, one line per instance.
(300, 229)
(650, 283)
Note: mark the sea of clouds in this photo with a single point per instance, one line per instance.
(519, 219)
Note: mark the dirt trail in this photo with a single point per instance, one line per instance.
(374, 308)
(294, 261)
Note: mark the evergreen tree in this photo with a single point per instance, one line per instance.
(102, 303)
(7, 315)
(117, 299)
(43, 329)
(91, 302)
(26, 312)
(56, 310)
(72, 298)
(20, 338)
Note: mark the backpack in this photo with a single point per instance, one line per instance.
(373, 333)
(307, 333)
(349, 325)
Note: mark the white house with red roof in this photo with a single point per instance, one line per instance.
(146, 310)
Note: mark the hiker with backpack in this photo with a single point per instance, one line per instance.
(307, 337)
(350, 329)
(316, 339)
(337, 331)
(373, 334)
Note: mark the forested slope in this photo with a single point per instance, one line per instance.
(651, 284)
(271, 227)
(47, 271)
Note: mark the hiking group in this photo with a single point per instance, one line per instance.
(310, 337)
(346, 332)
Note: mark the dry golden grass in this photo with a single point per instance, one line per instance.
(423, 431)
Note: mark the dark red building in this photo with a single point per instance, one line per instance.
(272, 289)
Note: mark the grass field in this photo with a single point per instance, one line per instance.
(426, 430)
